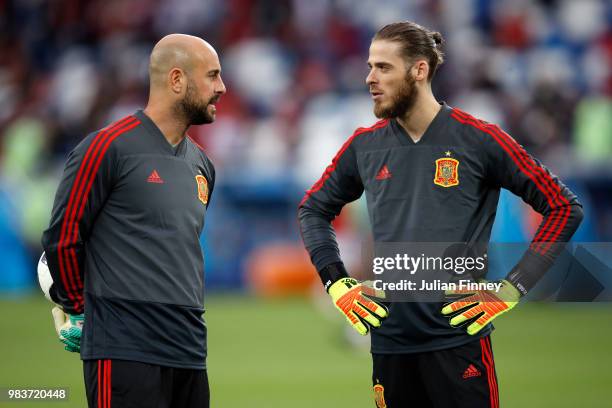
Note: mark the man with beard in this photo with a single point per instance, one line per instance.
(123, 242)
(430, 173)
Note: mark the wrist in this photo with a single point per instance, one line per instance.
(530, 269)
(76, 319)
(515, 278)
(341, 286)
(332, 273)
(509, 292)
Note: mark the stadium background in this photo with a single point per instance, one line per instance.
(295, 75)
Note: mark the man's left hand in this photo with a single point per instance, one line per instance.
(479, 307)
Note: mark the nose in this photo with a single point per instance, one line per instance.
(221, 87)
(371, 78)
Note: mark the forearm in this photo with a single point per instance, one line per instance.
(65, 267)
(320, 241)
(555, 230)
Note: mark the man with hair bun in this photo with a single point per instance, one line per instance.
(430, 173)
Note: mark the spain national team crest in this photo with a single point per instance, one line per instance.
(202, 188)
(447, 172)
(379, 396)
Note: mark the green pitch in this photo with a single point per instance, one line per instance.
(287, 353)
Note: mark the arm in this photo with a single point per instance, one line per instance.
(340, 184)
(511, 167)
(82, 192)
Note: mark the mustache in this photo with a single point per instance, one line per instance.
(214, 99)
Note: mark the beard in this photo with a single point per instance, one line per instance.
(401, 102)
(193, 109)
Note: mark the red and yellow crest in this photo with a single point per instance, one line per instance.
(379, 396)
(447, 172)
(202, 188)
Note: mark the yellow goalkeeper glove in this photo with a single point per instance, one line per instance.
(479, 307)
(352, 298)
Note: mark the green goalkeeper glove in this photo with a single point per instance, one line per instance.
(68, 328)
(352, 299)
(480, 307)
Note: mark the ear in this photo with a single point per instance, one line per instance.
(177, 80)
(420, 70)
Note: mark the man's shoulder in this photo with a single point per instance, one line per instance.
(196, 147)
(200, 153)
(369, 135)
(473, 126)
(101, 140)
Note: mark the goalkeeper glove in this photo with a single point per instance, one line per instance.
(480, 307)
(68, 328)
(352, 299)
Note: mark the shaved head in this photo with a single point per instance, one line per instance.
(178, 51)
(185, 77)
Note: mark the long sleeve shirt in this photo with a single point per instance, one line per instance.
(123, 244)
(445, 188)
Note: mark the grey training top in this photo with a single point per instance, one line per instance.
(123, 244)
(445, 188)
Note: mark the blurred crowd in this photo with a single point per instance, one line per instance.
(295, 73)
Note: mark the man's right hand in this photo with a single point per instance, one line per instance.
(353, 299)
(68, 328)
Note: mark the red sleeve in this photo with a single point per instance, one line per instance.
(509, 166)
(83, 190)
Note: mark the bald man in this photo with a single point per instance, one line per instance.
(123, 241)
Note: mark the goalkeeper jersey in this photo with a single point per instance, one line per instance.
(123, 244)
(445, 188)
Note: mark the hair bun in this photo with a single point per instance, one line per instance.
(437, 37)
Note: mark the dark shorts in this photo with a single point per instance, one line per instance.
(459, 377)
(129, 384)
